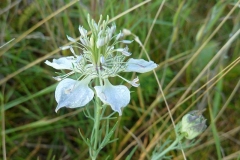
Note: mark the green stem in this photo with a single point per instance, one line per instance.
(97, 113)
(171, 147)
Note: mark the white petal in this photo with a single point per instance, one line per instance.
(72, 94)
(139, 65)
(115, 96)
(62, 63)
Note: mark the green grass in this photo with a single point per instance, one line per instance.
(195, 43)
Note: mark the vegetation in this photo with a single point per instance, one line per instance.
(195, 44)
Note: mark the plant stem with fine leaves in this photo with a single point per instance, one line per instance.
(97, 113)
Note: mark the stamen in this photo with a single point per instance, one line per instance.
(126, 41)
(82, 31)
(59, 78)
(102, 60)
(65, 47)
(133, 83)
(71, 39)
(119, 36)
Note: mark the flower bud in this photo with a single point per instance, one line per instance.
(193, 124)
(126, 32)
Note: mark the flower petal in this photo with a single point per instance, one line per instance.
(139, 65)
(72, 94)
(115, 96)
(63, 63)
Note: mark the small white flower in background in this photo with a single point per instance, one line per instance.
(99, 59)
(193, 124)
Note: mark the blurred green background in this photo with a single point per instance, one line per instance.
(195, 43)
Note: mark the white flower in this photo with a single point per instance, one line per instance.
(99, 60)
(193, 124)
